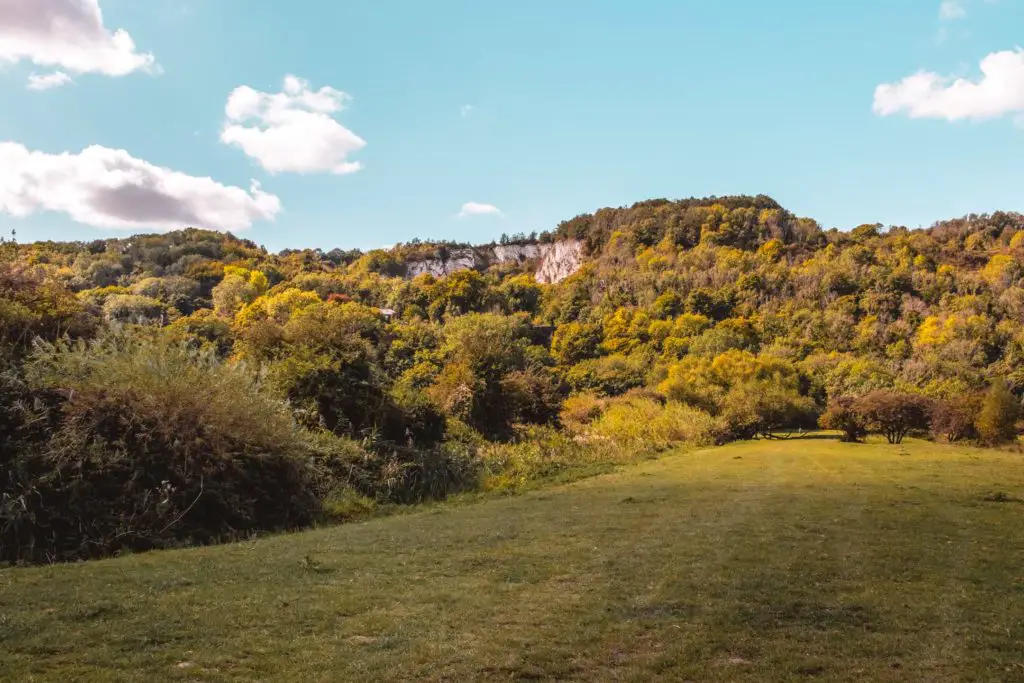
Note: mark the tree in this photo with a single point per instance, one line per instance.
(131, 308)
(240, 286)
(755, 409)
(609, 375)
(520, 294)
(893, 414)
(997, 420)
(841, 416)
(668, 305)
(486, 380)
(574, 342)
(954, 419)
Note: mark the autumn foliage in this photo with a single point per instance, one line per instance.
(310, 383)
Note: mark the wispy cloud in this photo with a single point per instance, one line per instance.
(466, 110)
(951, 10)
(48, 81)
(477, 209)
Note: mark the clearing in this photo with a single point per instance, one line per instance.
(760, 561)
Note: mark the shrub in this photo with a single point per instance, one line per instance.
(997, 419)
(389, 473)
(153, 445)
(841, 416)
(580, 410)
(643, 424)
(574, 342)
(406, 475)
(954, 419)
(893, 414)
(755, 409)
(132, 308)
(610, 376)
(488, 380)
(541, 453)
(533, 396)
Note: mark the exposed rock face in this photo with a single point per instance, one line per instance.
(555, 262)
(517, 253)
(559, 261)
(458, 259)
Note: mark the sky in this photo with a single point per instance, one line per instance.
(359, 124)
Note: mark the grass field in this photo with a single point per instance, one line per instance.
(768, 561)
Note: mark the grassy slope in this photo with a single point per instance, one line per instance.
(753, 562)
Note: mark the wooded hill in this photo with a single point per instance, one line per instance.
(133, 370)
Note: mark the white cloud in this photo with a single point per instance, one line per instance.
(465, 110)
(48, 81)
(69, 34)
(477, 209)
(951, 10)
(292, 131)
(109, 188)
(999, 91)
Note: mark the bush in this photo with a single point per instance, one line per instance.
(132, 308)
(574, 342)
(610, 376)
(755, 409)
(841, 416)
(544, 453)
(954, 419)
(997, 419)
(643, 424)
(580, 410)
(893, 414)
(153, 445)
(413, 475)
(345, 470)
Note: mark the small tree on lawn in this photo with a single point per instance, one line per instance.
(954, 419)
(893, 414)
(997, 420)
(841, 416)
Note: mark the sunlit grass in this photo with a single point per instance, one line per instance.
(803, 559)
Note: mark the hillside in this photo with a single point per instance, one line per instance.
(804, 559)
(133, 371)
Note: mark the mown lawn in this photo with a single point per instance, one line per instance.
(797, 560)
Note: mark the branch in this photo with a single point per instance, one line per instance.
(187, 510)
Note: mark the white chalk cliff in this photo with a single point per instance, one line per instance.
(555, 261)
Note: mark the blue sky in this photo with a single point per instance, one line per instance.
(541, 109)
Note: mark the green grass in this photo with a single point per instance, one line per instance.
(797, 560)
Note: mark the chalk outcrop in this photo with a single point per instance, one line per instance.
(560, 260)
(554, 262)
(455, 260)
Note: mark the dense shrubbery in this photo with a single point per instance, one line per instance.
(148, 445)
(232, 390)
(639, 423)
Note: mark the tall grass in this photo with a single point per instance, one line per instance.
(601, 433)
(544, 454)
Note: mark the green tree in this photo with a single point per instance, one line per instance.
(997, 419)
(574, 342)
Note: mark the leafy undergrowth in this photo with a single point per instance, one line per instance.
(803, 559)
